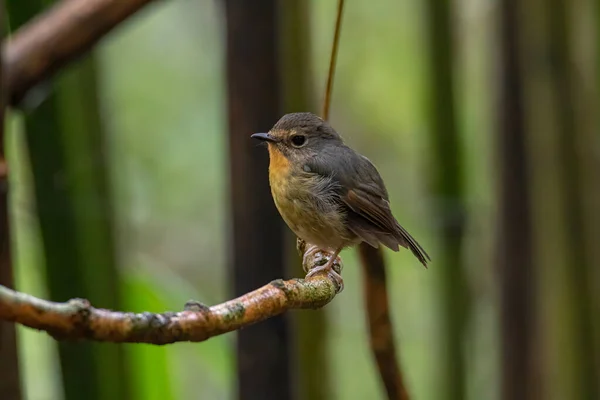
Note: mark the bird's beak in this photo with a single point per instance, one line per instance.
(265, 137)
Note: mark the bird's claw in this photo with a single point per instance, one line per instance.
(331, 273)
(310, 257)
(315, 256)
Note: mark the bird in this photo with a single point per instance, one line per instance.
(328, 194)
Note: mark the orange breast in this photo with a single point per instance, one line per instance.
(297, 200)
(279, 174)
(279, 171)
(279, 164)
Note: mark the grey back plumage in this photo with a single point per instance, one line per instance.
(365, 198)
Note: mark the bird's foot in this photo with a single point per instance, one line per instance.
(316, 256)
(333, 265)
(311, 257)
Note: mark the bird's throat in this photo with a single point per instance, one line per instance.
(279, 165)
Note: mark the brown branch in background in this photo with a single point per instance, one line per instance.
(333, 60)
(57, 36)
(77, 319)
(380, 325)
(256, 248)
(514, 239)
(375, 281)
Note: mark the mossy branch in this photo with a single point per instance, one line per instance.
(77, 319)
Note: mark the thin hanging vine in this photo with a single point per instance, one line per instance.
(381, 334)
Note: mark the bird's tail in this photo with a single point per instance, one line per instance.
(405, 239)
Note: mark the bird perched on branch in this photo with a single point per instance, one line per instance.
(329, 195)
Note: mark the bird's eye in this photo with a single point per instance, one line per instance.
(298, 140)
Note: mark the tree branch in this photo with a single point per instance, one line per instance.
(381, 334)
(77, 319)
(57, 36)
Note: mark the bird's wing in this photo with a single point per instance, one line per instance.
(364, 195)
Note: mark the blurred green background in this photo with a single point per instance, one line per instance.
(160, 79)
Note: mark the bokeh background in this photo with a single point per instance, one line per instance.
(138, 132)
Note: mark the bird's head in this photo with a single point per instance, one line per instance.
(299, 135)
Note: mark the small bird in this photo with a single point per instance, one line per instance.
(328, 194)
